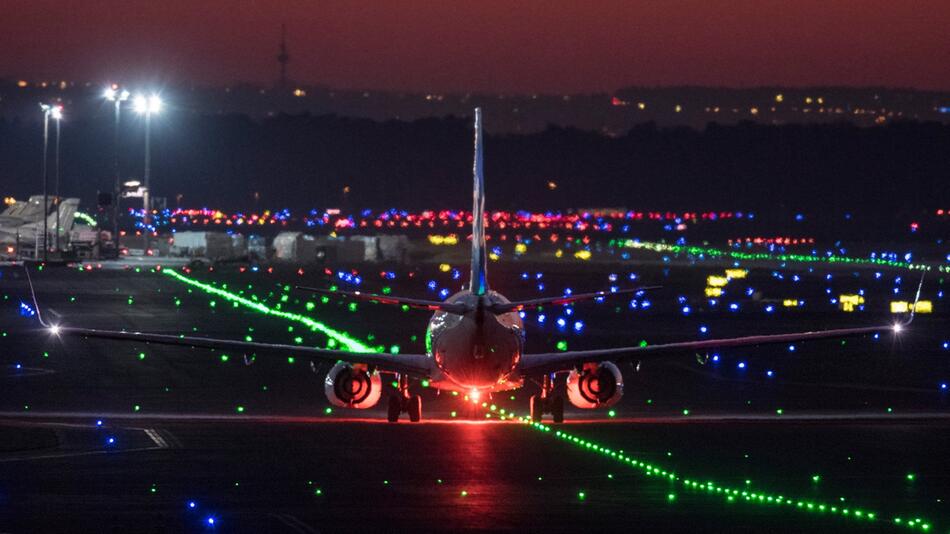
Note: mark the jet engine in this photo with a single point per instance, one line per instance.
(352, 386)
(595, 385)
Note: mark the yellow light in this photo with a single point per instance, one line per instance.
(641, 105)
(493, 256)
(445, 267)
(808, 100)
(521, 248)
(716, 281)
(450, 239)
(779, 97)
(559, 253)
(9, 200)
(790, 303)
(22, 83)
(678, 108)
(923, 306)
(552, 185)
(821, 100)
(582, 255)
(899, 306)
(300, 92)
(713, 291)
(848, 302)
(736, 274)
(754, 111)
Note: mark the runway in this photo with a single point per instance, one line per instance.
(255, 448)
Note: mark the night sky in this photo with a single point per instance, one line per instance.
(485, 45)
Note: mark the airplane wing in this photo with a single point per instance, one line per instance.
(553, 362)
(519, 305)
(415, 364)
(431, 305)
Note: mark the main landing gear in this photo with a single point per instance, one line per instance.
(404, 402)
(547, 402)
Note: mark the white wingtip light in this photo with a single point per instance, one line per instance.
(898, 327)
(54, 330)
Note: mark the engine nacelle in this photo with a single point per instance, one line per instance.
(595, 385)
(352, 386)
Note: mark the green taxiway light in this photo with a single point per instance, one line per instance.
(348, 342)
(709, 487)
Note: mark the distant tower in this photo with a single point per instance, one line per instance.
(283, 57)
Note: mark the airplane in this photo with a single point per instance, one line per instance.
(475, 344)
(23, 212)
(30, 233)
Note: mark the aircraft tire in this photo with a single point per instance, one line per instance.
(394, 409)
(414, 408)
(557, 409)
(536, 406)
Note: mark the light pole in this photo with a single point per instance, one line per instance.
(57, 115)
(116, 96)
(147, 106)
(47, 111)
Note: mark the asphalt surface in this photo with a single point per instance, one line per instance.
(115, 437)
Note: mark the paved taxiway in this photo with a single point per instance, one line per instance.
(862, 422)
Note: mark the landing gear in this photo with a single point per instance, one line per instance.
(547, 402)
(557, 409)
(395, 408)
(404, 402)
(537, 408)
(414, 408)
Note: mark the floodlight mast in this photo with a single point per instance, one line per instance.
(56, 111)
(147, 106)
(117, 96)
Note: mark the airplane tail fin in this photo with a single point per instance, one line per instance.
(479, 284)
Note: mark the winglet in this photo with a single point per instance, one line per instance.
(36, 305)
(913, 308)
(479, 279)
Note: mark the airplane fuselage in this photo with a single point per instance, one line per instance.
(476, 351)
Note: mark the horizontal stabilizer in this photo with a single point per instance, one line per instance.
(431, 305)
(563, 299)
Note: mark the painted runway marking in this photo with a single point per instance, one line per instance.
(294, 524)
(24, 372)
(55, 456)
(156, 438)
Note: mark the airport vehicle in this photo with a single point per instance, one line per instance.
(476, 341)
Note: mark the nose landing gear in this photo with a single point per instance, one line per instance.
(547, 402)
(403, 402)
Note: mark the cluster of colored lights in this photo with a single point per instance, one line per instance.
(710, 252)
(600, 220)
(204, 217)
(596, 220)
(779, 240)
